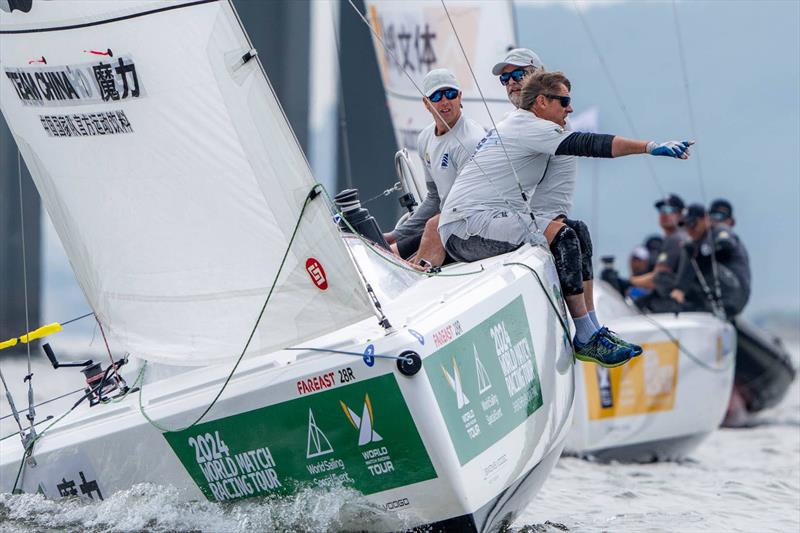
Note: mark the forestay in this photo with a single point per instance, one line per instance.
(418, 37)
(172, 177)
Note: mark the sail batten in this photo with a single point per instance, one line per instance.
(174, 180)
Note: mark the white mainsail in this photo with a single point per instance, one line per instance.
(172, 177)
(418, 34)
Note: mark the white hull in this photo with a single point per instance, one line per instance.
(662, 404)
(404, 441)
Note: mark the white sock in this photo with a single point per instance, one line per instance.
(584, 328)
(593, 316)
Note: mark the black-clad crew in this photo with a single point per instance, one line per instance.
(701, 281)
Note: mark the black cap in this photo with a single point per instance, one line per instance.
(654, 242)
(721, 206)
(673, 199)
(693, 213)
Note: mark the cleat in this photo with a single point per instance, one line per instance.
(637, 350)
(603, 351)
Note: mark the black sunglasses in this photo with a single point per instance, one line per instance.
(517, 74)
(565, 100)
(448, 92)
(719, 217)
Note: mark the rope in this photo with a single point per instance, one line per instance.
(70, 321)
(29, 377)
(344, 352)
(313, 193)
(48, 401)
(564, 325)
(617, 94)
(681, 348)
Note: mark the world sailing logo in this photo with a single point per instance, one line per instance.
(484, 384)
(318, 443)
(455, 383)
(363, 424)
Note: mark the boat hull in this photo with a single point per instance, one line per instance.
(764, 372)
(473, 434)
(650, 409)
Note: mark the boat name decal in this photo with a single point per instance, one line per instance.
(317, 273)
(86, 124)
(325, 381)
(447, 333)
(94, 82)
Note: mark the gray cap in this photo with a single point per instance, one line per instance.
(438, 79)
(519, 57)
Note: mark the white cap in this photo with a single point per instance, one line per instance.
(640, 252)
(438, 79)
(519, 57)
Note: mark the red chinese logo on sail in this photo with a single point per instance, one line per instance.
(317, 273)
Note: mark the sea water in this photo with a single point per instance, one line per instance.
(745, 479)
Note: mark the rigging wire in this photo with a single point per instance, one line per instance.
(693, 130)
(29, 377)
(617, 94)
(483, 99)
(474, 159)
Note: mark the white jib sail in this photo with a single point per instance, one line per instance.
(172, 177)
(418, 34)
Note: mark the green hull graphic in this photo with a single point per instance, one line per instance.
(360, 435)
(485, 381)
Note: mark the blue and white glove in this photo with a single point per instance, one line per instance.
(679, 149)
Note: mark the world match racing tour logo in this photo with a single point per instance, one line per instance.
(112, 79)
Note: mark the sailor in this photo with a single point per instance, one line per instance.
(721, 212)
(512, 70)
(662, 278)
(486, 214)
(444, 147)
(653, 243)
(716, 258)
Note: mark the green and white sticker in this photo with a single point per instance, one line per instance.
(485, 381)
(360, 435)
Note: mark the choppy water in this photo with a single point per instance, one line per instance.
(738, 480)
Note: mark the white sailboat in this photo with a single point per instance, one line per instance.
(271, 351)
(645, 410)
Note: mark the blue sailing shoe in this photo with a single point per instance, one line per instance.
(637, 350)
(602, 350)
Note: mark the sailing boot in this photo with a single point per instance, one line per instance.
(637, 350)
(602, 350)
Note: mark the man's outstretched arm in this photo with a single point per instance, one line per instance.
(602, 145)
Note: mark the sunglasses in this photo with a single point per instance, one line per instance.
(719, 217)
(449, 93)
(516, 75)
(668, 209)
(565, 100)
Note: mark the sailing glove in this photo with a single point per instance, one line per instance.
(679, 149)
